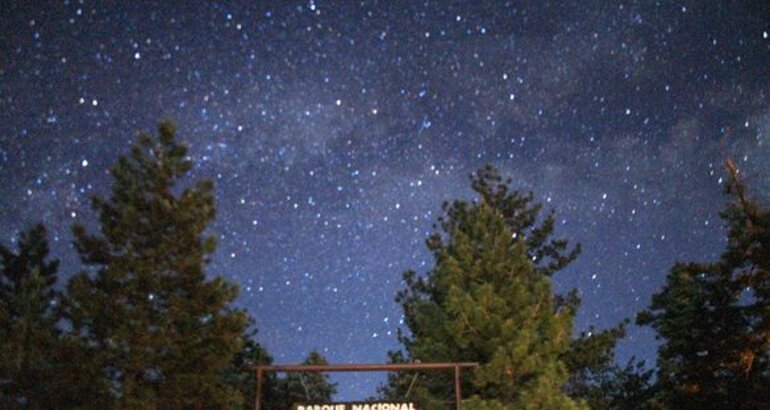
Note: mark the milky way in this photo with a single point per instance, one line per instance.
(335, 130)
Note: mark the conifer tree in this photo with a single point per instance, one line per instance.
(28, 335)
(489, 299)
(611, 386)
(40, 366)
(163, 332)
(306, 387)
(714, 318)
(596, 377)
(280, 392)
(241, 375)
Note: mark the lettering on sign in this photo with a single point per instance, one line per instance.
(382, 405)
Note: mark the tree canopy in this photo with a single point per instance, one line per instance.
(306, 387)
(163, 331)
(489, 299)
(713, 318)
(27, 320)
(144, 325)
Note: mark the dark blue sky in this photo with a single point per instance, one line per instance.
(335, 130)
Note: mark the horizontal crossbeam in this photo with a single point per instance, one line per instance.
(389, 367)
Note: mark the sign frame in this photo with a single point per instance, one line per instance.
(354, 404)
(388, 367)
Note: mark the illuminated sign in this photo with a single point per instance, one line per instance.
(372, 405)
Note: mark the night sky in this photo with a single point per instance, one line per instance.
(335, 130)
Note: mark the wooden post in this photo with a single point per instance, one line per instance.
(458, 388)
(258, 401)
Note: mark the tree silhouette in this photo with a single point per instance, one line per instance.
(714, 318)
(163, 332)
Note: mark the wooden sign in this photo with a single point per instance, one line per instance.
(370, 405)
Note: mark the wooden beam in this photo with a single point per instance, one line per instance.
(258, 401)
(458, 388)
(390, 367)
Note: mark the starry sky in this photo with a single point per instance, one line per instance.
(335, 130)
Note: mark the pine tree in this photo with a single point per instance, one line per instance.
(163, 332)
(489, 300)
(40, 366)
(306, 387)
(28, 335)
(279, 392)
(596, 377)
(241, 375)
(714, 318)
(615, 387)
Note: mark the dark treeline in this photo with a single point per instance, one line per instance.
(143, 325)
(488, 299)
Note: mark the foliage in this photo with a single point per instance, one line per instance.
(305, 387)
(597, 379)
(488, 299)
(279, 392)
(241, 375)
(28, 319)
(615, 387)
(40, 367)
(714, 318)
(163, 334)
